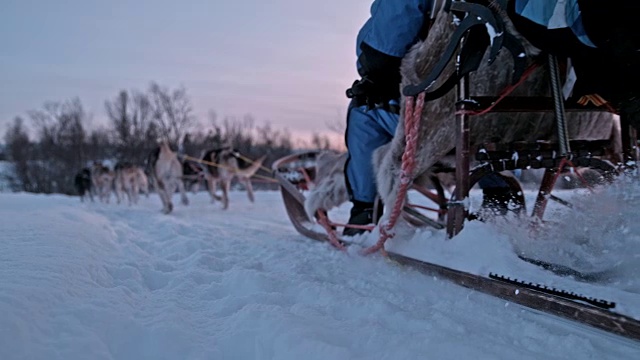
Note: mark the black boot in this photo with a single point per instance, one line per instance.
(361, 214)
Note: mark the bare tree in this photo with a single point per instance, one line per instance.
(19, 153)
(321, 142)
(61, 151)
(172, 111)
(131, 116)
(119, 112)
(100, 145)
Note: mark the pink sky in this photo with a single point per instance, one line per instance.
(283, 61)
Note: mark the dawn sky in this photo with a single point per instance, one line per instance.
(284, 61)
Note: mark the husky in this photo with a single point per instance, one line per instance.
(143, 181)
(83, 184)
(130, 180)
(228, 164)
(102, 180)
(166, 174)
(193, 174)
(329, 188)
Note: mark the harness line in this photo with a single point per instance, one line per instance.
(265, 178)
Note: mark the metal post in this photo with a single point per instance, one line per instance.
(558, 101)
(550, 175)
(458, 212)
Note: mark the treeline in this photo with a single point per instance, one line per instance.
(51, 144)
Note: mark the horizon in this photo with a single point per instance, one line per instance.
(286, 63)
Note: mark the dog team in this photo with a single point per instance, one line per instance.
(167, 173)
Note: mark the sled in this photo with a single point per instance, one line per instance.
(295, 174)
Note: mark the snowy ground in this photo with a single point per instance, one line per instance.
(96, 281)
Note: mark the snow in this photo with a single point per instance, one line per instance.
(97, 281)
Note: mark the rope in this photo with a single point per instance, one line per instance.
(505, 92)
(566, 162)
(329, 226)
(412, 115)
(187, 157)
(306, 176)
(333, 238)
(262, 167)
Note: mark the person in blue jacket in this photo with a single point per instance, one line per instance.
(373, 114)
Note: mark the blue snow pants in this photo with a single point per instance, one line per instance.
(367, 130)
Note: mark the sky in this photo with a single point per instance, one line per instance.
(287, 62)
(117, 282)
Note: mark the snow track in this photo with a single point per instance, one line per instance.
(98, 281)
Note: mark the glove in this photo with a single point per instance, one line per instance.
(380, 82)
(366, 92)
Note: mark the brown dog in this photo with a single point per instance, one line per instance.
(130, 180)
(229, 165)
(102, 178)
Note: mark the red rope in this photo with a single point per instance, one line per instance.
(505, 92)
(333, 238)
(306, 176)
(412, 115)
(566, 162)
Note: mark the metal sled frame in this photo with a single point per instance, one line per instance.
(565, 154)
